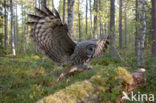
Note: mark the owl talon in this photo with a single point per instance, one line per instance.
(88, 67)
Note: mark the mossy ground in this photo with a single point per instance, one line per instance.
(26, 79)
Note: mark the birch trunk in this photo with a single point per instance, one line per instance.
(43, 2)
(95, 35)
(12, 29)
(17, 36)
(71, 17)
(136, 27)
(64, 5)
(86, 19)
(90, 2)
(79, 15)
(142, 32)
(53, 4)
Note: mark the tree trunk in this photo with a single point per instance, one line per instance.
(71, 17)
(53, 4)
(142, 32)
(23, 41)
(39, 4)
(64, 6)
(79, 15)
(12, 29)
(43, 2)
(95, 35)
(105, 29)
(17, 36)
(90, 2)
(112, 28)
(86, 19)
(125, 21)
(136, 27)
(6, 42)
(100, 9)
(154, 27)
(120, 24)
(129, 40)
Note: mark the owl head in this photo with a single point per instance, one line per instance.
(90, 50)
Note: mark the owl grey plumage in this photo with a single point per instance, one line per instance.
(52, 37)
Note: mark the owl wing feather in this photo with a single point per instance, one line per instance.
(102, 45)
(51, 35)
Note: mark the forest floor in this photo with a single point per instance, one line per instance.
(28, 78)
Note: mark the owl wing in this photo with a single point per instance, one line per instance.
(102, 45)
(51, 35)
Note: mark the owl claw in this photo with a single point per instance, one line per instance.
(88, 67)
(73, 70)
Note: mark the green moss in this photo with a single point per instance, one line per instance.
(124, 74)
(71, 94)
(105, 86)
(35, 57)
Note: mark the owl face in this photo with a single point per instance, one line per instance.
(90, 50)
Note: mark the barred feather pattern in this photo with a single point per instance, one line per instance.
(80, 56)
(51, 35)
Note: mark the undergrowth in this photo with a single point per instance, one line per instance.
(28, 78)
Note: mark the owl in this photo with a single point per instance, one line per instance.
(52, 37)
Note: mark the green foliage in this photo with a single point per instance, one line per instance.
(27, 78)
(108, 76)
(105, 60)
(98, 88)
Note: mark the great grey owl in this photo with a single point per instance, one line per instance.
(53, 39)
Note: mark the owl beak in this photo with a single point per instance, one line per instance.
(90, 56)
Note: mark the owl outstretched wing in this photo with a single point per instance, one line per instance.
(102, 45)
(51, 35)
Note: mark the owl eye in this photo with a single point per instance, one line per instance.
(91, 49)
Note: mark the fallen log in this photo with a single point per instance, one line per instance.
(106, 86)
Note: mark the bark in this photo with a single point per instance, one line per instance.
(136, 27)
(125, 22)
(12, 29)
(6, 42)
(53, 4)
(100, 9)
(39, 3)
(129, 39)
(142, 32)
(112, 28)
(79, 15)
(64, 6)
(86, 19)
(95, 35)
(120, 25)
(17, 36)
(90, 2)
(43, 2)
(23, 41)
(154, 28)
(71, 17)
(105, 29)
(94, 90)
